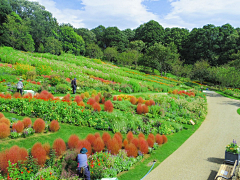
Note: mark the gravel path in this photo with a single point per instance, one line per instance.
(199, 158)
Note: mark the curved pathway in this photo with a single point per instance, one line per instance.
(200, 156)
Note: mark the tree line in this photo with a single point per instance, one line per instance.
(27, 26)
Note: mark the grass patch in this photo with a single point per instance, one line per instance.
(228, 96)
(238, 111)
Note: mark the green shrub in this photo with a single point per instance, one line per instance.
(62, 88)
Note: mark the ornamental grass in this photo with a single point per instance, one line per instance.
(1, 115)
(113, 146)
(5, 120)
(106, 137)
(143, 146)
(96, 107)
(73, 141)
(39, 125)
(130, 136)
(164, 139)
(132, 150)
(108, 106)
(159, 139)
(139, 109)
(98, 145)
(90, 138)
(46, 147)
(59, 146)
(54, 126)
(18, 126)
(4, 130)
(27, 122)
(39, 153)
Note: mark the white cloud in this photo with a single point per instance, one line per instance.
(121, 13)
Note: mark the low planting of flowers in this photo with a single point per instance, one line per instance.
(233, 147)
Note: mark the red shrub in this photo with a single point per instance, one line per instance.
(91, 101)
(159, 139)
(59, 146)
(114, 98)
(44, 95)
(97, 98)
(140, 100)
(54, 126)
(150, 142)
(39, 125)
(7, 96)
(4, 161)
(133, 100)
(119, 98)
(91, 138)
(130, 136)
(33, 82)
(28, 95)
(113, 146)
(131, 150)
(151, 102)
(4, 130)
(119, 140)
(135, 141)
(39, 153)
(46, 147)
(108, 106)
(73, 141)
(23, 153)
(141, 135)
(164, 139)
(86, 144)
(16, 95)
(97, 135)
(175, 91)
(66, 98)
(5, 120)
(1, 115)
(78, 99)
(38, 83)
(139, 109)
(145, 109)
(106, 137)
(143, 146)
(18, 126)
(100, 95)
(68, 79)
(27, 122)
(147, 103)
(96, 107)
(103, 100)
(151, 136)
(98, 144)
(82, 104)
(82, 96)
(2, 95)
(79, 145)
(125, 143)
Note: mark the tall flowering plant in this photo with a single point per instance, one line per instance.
(233, 147)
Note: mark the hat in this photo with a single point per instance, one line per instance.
(75, 78)
(20, 79)
(83, 151)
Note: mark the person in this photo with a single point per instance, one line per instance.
(83, 167)
(74, 85)
(20, 86)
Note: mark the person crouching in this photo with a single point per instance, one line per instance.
(83, 168)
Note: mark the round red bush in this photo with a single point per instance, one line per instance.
(118, 133)
(4, 161)
(114, 98)
(39, 153)
(4, 130)
(73, 141)
(106, 137)
(96, 107)
(131, 150)
(119, 98)
(145, 109)
(86, 144)
(150, 142)
(77, 99)
(103, 100)
(151, 136)
(39, 125)
(97, 135)
(147, 103)
(141, 135)
(59, 146)
(113, 146)
(125, 143)
(98, 145)
(119, 140)
(143, 146)
(18, 126)
(151, 102)
(16, 95)
(133, 100)
(108, 106)
(91, 138)
(97, 98)
(139, 109)
(7, 96)
(91, 101)
(1, 115)
(159, 139)
(130, 136)
(135, 141)
(23, 153)
(81, 104)
(5, 120)
(164, 139)
(46, 147)
(82, 96)
(140, 100)
(27, 122)
(54, 126)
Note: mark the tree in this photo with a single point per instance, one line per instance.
(128, 57)
(72, 42)
(99, 32)
(94, 51)
(178, 68)
(88, 36)
(200, 70)
(150, 33)
(130, 34)
(137, 45)
(53, 46)
(5, 9)
(110, 53)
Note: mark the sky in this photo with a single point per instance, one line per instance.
(132, 13)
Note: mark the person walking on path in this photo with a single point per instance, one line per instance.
(74, 85)
(83, 168)
(20, 86)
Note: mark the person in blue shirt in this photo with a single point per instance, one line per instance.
(83, 168)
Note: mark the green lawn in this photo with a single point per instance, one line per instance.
(228, 96)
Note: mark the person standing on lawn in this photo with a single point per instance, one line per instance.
(83, 168)
(74, 85)
(20, 86)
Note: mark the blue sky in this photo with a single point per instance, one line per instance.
(132, 13)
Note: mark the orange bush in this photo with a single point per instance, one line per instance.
(86, 144)
(98, 144)
(59, 146)
(7, 96)
(27, 122)
(39, 153)
(108, 106)
(18, 126)
(96, 107)
(77, 99)
(151, 102)
(119, 140)
(46, 147)
(97, 135)
(66, 98)
(73, 141)
(16, 95)
(1, 115)
(97, 98)
(139, 109)
(147, 103)
(164, 139)
(91, 101)
(131, 150)
(113, 146)
(114, 98)
(81, 104)
(151, 136)
(140, 100)
(159, 139)
(106, 137)
(133, 100)
(54, 126)
(150, 142)
(175, 91)
(44, 95)
(125, 143)
(120, 134)
(145, 109)
(5, 120)
(130, 136)
(82, 96)
(39, 125)
(141, 135)
(4, 130)
(103, 100)
(135, 141)
(91, 138)
(119, 98)
(143, 146)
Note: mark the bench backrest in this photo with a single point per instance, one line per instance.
(234, 167)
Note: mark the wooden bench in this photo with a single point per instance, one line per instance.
(226, 172)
